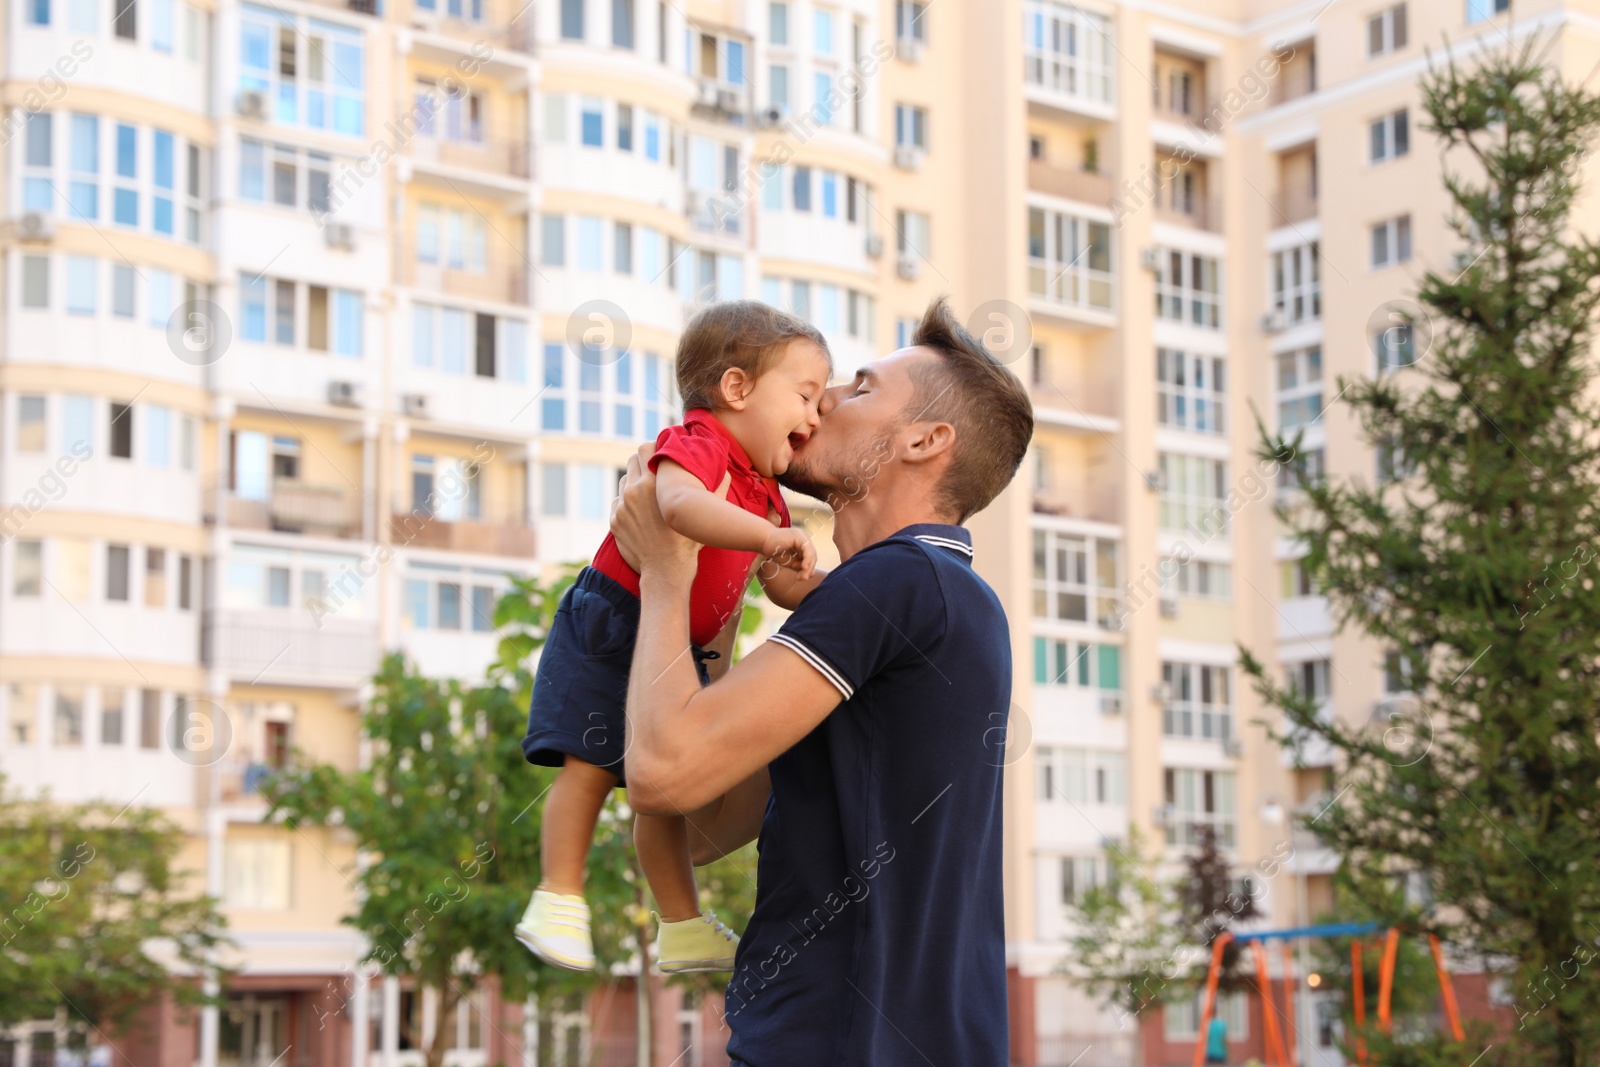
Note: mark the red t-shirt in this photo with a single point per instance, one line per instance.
(704, 447)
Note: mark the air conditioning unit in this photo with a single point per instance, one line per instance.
(874, 245)
(35, 226)
(707, 93)
(252, 104)
(1169, 607)
(909, 268)
(1162, 814)
(769, 118)
(416, 405)
(340, 235)
(1153, 481)
(1111, 703)
(909, 49)
(1150, 259)
(1273, 321)
(1161, 693)
(344, 394)
(908, 157)
(1233, 748)
(730, 100)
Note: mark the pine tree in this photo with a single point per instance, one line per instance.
(1472, 569)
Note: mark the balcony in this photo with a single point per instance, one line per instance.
(505, 157)
(1293, 203)
(461, 34)
(420, 530)
(1068, 59)
(1196, 212)
(288, 646)
(1071, 183)
(502, 278)
(293, 506)
(1193, 108)
(1297, 78)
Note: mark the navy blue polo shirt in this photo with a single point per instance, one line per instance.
(878, 936)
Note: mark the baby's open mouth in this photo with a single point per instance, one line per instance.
(797, 439)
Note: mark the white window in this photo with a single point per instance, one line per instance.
(1076, 664)
(1067, 50)
(555, 118)
(1199, 701)
(1386, 31)
(256, 873)
(1190, 391)
(1069, 259)
(35, 281)
(553, 240)
(588, 243)
(592, 494)
(1479, 10)
(1202, 579)
(822, 32)
(911, 22)
(1193, 489)
(1298, 387)
(31, 431)
(778, 24)
(915, 233)
(910, 126)
(1075, 578)
(312, 73)
(1080, 776)
(1389, 137)
(1395, 346)
(1187, 289)
(81, 286)
(1198, 798)
(1391, 241)
(27, 568)
(1297, 283)
(1295, 579)
(904, 330)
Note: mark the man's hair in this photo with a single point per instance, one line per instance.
(985, 403)
(746, 334)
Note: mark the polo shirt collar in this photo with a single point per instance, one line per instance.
(956, 539)
(704, 417)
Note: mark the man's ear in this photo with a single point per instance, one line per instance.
(734, 387)
(924, 441)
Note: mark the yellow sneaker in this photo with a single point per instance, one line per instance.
(694, 945)
(556, 929)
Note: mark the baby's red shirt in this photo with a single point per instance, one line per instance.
(704, 447)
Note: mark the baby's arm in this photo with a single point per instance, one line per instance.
(703, 516)
(785, 587)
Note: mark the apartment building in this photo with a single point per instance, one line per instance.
(321, 319)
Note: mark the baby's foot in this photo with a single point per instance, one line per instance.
(556, 929)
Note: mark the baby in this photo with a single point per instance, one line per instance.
(751, 378)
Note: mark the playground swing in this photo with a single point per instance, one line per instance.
(1280, 1045)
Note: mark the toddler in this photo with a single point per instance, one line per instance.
(751, 378)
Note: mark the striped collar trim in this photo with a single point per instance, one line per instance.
(945, 542)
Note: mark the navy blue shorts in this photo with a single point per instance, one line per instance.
(580, 691)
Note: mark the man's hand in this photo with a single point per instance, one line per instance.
(646, 541)
(788, 546)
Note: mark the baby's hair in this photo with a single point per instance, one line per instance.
(746, 334)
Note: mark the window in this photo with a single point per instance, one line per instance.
(22, 713)
(572, 19)
(1389, 137)
(149, 718)
(1076, 664)
(483, 600)
(822, 87)
(111, 701)
(822, 32)
(1297, 283)
(1080, 776)
(1075, 579)
(1069, 259)
(910, 22)
(1190, 391)
(1391, 242)
(157, 436)
(591, 122)
(622, 23)
(449, 606)
(1297, 580)
(27, 568)
(1386, 31)
(1192, 492)
(125, 198)
(1197, 578)
(1298, 387)
(124, 20)
(915, 233)
(1479, 10)
(122, 290)
(910, 127)
(117, 572)
(81, 285)
(1198, 798)
(1311, 678)
(625, 127)
(38, 12)
(155, 578)
(67, 722)
(185, 583)
(1396, 346)
(312, 73)
(1067, 50)
(121, 430)
(35, 281)
(553, 240)
(1181, 1018)
(31, 432)
(1393, 463)
(588, 243)
(256, 873)
(38, 193)
(553, 490)
(1199, 701)
(1187, 289)
(1079, 874)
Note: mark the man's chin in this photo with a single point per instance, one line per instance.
(801, 478)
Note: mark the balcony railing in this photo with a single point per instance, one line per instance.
(420, 530)
(1200, 212)
(293, 506)
(502, 277)
(1196, 109)
(289, 645)
(1293, 202)
(504, 156)
(1071, 183)
(1071, 284)
(514, 36)
(1297, 78)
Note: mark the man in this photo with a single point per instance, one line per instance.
(859, 740)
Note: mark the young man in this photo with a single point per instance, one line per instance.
(857, 741)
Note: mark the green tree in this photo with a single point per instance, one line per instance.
(90, 892)
(1471, 568)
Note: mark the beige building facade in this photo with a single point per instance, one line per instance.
(321, 319)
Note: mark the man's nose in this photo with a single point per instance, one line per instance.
(831, 397)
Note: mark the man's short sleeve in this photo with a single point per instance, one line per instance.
(880, 608)
(701, 454)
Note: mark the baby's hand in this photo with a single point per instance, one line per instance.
(788, 546)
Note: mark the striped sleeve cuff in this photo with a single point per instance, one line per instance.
(823, 667)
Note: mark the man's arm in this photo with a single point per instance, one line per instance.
(686, 745)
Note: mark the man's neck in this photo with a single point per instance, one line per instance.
(878, 515)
